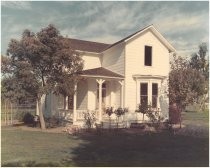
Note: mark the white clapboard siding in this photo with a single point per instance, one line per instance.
(134, 63)
(114, 59)
(91, 60)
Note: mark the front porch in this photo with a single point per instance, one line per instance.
(98, 89)
(124, 121)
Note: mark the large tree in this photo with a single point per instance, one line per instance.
(43, 62)
(185, 83)
(200, 62)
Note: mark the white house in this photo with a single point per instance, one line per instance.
(124, 74)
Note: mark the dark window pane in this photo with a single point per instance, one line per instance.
(154, 89)
(154, 95)
(144, 100)
(148, 56)
(144, 93)
(144, 88)
(154, 101)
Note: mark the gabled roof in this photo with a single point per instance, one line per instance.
(88, 46)
(118, 42)
(96, 47)
(100, 72)
(154, 30)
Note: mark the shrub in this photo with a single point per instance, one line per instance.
(90, 119)
(52, 122)
(109, 111)
(143, 108)
(28, 118)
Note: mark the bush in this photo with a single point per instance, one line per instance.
(90, 119)
(52, 122)
(19, 114)
(28, 118)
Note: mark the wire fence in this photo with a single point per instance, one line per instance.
(12, 113)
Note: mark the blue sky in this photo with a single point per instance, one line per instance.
(185, 24)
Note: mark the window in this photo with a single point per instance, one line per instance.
(148, 56)
(154, 95)
(143, 93)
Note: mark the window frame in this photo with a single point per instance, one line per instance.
(143, 95)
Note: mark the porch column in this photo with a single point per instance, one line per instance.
(100, 82)
(66, 104)
(75, 104)
(122, 93)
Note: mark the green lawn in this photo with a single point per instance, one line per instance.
(34, 148)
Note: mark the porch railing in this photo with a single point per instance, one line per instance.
(80, 114)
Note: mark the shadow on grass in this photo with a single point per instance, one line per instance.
(156, 149)
(127, 149)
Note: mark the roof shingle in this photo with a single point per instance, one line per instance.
(88, 46)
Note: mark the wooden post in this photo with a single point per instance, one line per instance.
(5, 112)
(122, 94)
(100, 82)
(66, 103)
(11, 110)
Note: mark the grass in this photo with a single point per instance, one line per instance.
(36, 148)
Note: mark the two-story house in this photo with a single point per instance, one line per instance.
(127, 73)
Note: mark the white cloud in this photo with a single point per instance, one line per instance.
(22, 5)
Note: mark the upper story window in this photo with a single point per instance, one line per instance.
(148, 56)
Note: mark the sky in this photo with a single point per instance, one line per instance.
(185, 24)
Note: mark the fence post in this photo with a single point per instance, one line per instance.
(5, 113)
(11, 111)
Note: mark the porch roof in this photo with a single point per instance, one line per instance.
(100, 72)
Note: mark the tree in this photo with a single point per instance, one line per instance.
(44, 61)
(200, 62)
(109, 111)
(185, 83)
(142, 108)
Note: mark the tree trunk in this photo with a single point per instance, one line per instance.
(41, 116)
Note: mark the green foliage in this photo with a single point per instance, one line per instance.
(199, 61)
(185, 83)
(19, 115)
(28, 118)
(41, 63)
(120, 111)
(109, 111)
(47, 58)
(143, 108)
(90, 119)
